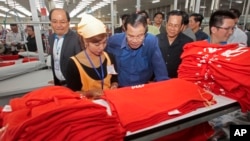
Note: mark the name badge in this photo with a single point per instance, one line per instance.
(111, 69)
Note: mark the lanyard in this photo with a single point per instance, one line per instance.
(58, 44)
(99, 75)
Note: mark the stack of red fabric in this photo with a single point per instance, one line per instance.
(222, 69)
(29, 59)
(9, 57)
(57, 113)
(1, 119)
(145, 105)
(4, 64)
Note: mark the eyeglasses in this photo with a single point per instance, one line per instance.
(226, 28)
(138, 38)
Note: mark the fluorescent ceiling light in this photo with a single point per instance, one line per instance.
(203, 6)
(2, 15)
(238, 1)
(14, 13)
(125, 9)
(155, 1)
(59, 3)
(95, 7)
(81, 5)
(13, 4)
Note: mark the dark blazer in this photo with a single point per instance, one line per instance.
(172, 53)
(71, 46)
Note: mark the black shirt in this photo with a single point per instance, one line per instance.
(200, 35)
(75, 83)
(172, 53)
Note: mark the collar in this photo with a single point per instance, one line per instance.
(125, 43)
(56, 36)
(221, 43)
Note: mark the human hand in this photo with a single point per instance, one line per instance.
(114, 85)
(94, 94)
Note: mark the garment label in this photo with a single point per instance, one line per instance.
(111, 69)
(7, 108)
(174, 112)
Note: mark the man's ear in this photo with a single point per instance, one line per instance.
(213, 29)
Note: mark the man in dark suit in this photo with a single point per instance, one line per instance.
(172, 41)
(64, 43)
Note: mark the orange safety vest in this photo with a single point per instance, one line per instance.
(87, 82)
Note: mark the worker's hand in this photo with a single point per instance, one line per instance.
(114, 85)
(94, 94)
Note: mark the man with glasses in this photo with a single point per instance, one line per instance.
(238, 35)
(219, 67)
(172, 41)
(221, 27)
(137, 53)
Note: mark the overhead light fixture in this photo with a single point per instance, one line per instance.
(155, 1)
(17, 6)
(59, 3)
(203, 7)
(96, 7)
(2, 15)
(14, 13)
(125, 9)
(238, 1)
(80, 6)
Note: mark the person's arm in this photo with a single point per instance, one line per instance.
(114, 78)
(159, 66)
(73, 78)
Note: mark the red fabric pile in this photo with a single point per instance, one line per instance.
(4, 64)
(146, 105)
(1, 119)
(29, 59)
(57, 113)
(9, 57)
(222, 69)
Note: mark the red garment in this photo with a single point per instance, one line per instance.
(9, 57)
(1, 118)
(142, 107)
(57, 113)
(29, 59)
(4, 64)
(222, 69)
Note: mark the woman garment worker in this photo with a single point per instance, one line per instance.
(92, 70)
